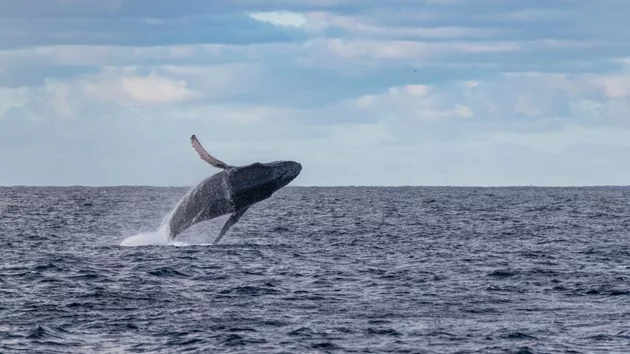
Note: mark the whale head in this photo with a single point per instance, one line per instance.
(252, 183)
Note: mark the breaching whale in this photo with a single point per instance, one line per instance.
(231, 191)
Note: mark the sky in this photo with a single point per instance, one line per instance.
(360, 92)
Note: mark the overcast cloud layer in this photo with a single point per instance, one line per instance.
(370, 92)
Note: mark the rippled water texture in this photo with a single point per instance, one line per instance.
(423, 270)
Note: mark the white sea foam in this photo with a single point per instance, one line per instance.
(161, 235)
(158, 237)
(145, 239)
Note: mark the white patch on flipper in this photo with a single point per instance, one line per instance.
(204, 155)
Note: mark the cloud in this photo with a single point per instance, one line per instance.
(280, 18)
(614, 86)
(11, 98)
(135, 89)
(119, 87)
(440, 92)
(322, 22)
(407, 50)
(415, 102)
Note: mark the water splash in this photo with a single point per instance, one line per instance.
(161, 236)
(145, 239)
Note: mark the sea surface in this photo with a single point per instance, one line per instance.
(314, 270)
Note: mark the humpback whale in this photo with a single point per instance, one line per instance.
(231, 191)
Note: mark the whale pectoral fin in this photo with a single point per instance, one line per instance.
(204, 155)
(231, 221)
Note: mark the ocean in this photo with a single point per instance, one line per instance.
(317, 270)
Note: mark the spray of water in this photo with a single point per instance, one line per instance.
(161, 235)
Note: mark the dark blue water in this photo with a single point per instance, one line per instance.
(422, 270)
